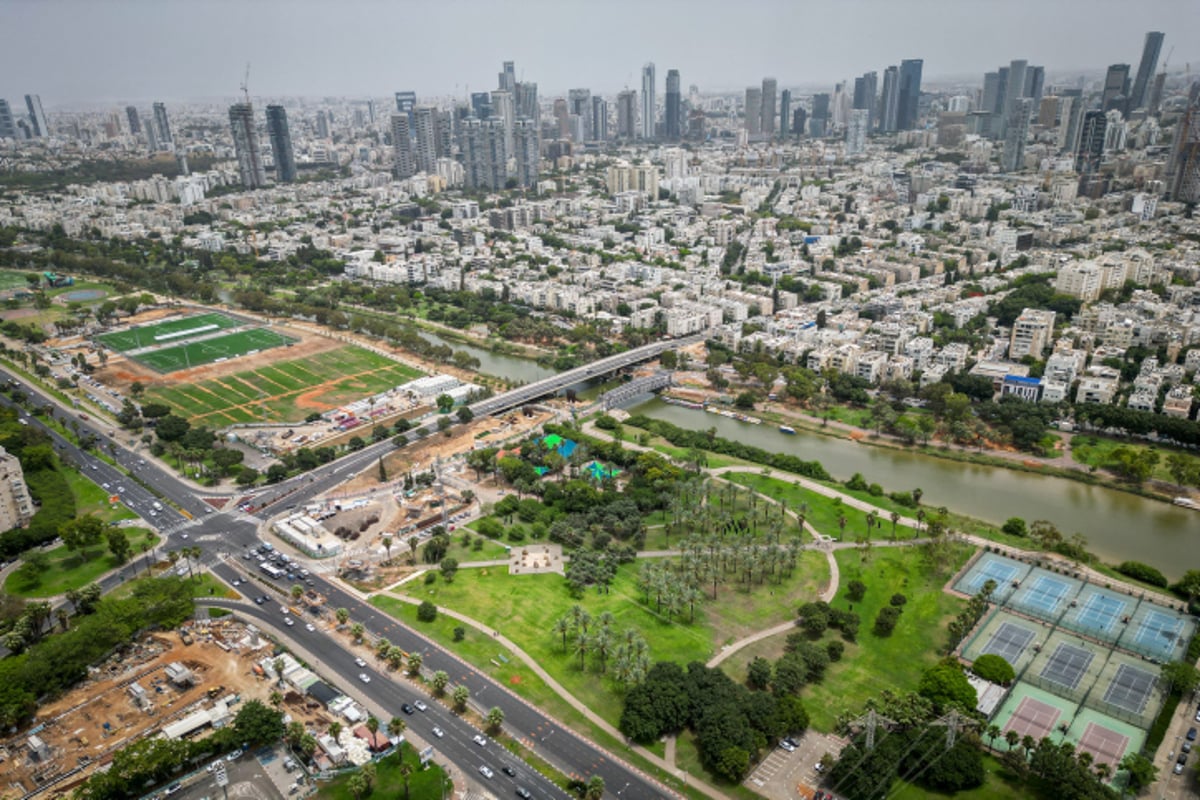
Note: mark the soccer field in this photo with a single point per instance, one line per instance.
(195, 354)
(165, 332)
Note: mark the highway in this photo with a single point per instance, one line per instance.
(231, 532)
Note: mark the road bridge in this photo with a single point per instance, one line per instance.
(638, 386)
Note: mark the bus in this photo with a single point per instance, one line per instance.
(275, 573)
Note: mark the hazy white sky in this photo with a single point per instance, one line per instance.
(111, 50)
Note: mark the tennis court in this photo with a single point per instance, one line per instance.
(1131, 688)
(208, 351)
(1159, 633)
(992, 567)
(1106, 745)
(1033, 718)
(1043, 594)
(1009, 642)
(1067, 665)
(1007, 635)
(174, 330)
(1098, 613)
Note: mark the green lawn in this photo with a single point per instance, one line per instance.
(430, 783)
(823, 512)
(897, 661)
(70, 570)
(207, 351)
(93, 499)
(144, 335)
(1096, 451)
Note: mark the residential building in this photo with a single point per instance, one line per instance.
(403, 165)
(426, 154)
(162, 126)
(1091, 143)
(579, 104)
(856, 131)
(525, 142)
(245, 143)
(485, 159)
(1080, 279)
(406, 103)
(599, 119)
(281, 144)
(1016, 131)
(16, 506)
(131, 113)
(1183, 172)
(1030, 334)
(753, 112)
(526, 101)
(627, 115)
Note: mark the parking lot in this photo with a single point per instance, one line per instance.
(260, 776)
(789, 775)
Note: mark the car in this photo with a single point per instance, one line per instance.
(1198, 716)
(523, 793)
(508, 770)
(438, 732)
(420, 706)
(310, 627)
(1180, 763)
(247, 555)
(1187, 747)
(236, 582)
(359, 662)
(1191, 734)
(234, 756)
(479, 740)
(364, 677)
(120, 490)
(184, 535)
(259, 600)
(786, 745)
(104, 485)
(289, 622)
(265, 598)
(174, 787)
(213, 765)
(819, 767)
(486, 771)
(94, 467)
(407, 709)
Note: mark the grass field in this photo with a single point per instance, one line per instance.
(428, 783)
(325, 380)
(1096, 451)
(12, 279)
(147, 335)
(823, 512)
(195, 354)
(70, 570)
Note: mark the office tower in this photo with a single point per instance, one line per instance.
(909, 93)
(599, 119)
(485, 160)
(627, 114)
(425, 122)
(865, 89)
(1035, 84)
(151, 131)
(672, 122)
(856, 131)
(163, 125)
(135, 124)
(649, 110)
(889, 101)
(1071, 124)
(1048, 111)
(785, 112)
(1014, 88)
(322, 125)
(1139, 96)
(993, 93)
(444, 134)
(820, 116)
(502, 109)
(403, 165)
(841, 105)
(769, 91)
(37, 117)
(1091, 142)
(579, 103)
(371, 111)
(405, 103)
(1154, 99)
(526, 101)
(8, 125)
(799, 120)
(753, 122)
(245, 143)
(1116, 88)
(481, 104)
(508, 78)
(562, 116)
(1016, 130)
(1183, 171)
(525, 138)
(281, 144)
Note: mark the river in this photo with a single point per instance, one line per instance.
(497, 365)
(1119, 526)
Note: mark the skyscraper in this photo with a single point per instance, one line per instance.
(1116, 88)
(785, 111)
(993, 93)
(405, 103)
(562, 118)
(425, 120)
(37, 117)
(1183, 171)
(526, 101)
(649, 110)
(481, 104)
(1016, 130)
(753, 111)
(1014, 88)
(599, 119)
(1091, 142)
(865, 90)
(151, 131)
(1035, 83)
(799, 120)
(820, 115)
(525, 138)
(769, 91)
(403, 165)
(504, 109)
(508, 78)
(889, 101)
(1139, 96)
(281, 144)
(163, 126)
(245, 143)
(579, 103)
(8, 125)
(672, 123)
(1070, 124)
(135, 124)
(910, 93)
(856, 131)
(627, 115)
(485, 160)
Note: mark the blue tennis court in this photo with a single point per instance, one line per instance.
(1159, 631)
(1100, 613)
(991, 569)
(1046, 594)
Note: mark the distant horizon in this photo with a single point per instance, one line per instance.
(134, 51)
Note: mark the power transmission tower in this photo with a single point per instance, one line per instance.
(953, 722)
(870, 721)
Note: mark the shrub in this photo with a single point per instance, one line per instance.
(886, 621)
(835, 649)
(460, 633)
(430, 577)
(994, 668)
(1143, 572)
(875, 490)
(898, 599)
(903, 499)
(857, 482)
(1015, 526)
(427, 611)
(855, 591)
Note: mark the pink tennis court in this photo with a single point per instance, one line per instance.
(1033, 718)
(1106, 746)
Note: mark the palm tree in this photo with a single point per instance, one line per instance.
(406, 771)
(871, 517)
(441, 679)
(595, 788)
(396, 726)
(495, 718)
(343, 616)
(413, 542)
(278, 666)
(461, 695)
(372, 724)
(387, 546)
(297, 592)
(382, 645)
(842, 524)
(335, 728)
(582, 643)
(357, 630)
(895, 519)
(1012, 738)
(993, 733)
(920, 519)
(562, 627)
(414, 664)
(276, 699)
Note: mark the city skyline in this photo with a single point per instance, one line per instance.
(109, 45)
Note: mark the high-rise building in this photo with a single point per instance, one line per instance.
(1014, 88)
(8, 125)
(993, 93)
(672, 122)
(769, 91)
(526, 101)
(799, 120)
(889, 101)
(485, 160)
(909, 93)
(1016, 131)
(579, 103)
(135, 124)
(1035, 84)
(1183, 171)
(504, 110)
(1070, 124)
(1154, 99)
(1091, 142)
(508, 78)
(281, 144)
(865, 90)
(322, 124)
(753, 110)
(649, 99)
(820, 115)
(403, 165)
(245, 143)
(562, 118)
(599, 119)
(151, 131)
(627, 115)
(163, 126)
(16, 506)
(425, 120)
(1048, 111)
(1116, 88)
(405, 103)
(785, 111)
(37, 117)
(1139, 95)
(481, 104)
(856, 131)
(525, 139)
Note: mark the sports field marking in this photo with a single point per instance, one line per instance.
(1033, 718)
(1130, 688)
(1045, 594)
(1100, 612)
(1106, 746)
(1159, 631)
(1009, 642)
(152, 333)
(1067, 665)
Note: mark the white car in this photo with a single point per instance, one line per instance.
(105, 485)
(486, 772)
(438, 732)
(237, 582)
(420, 706)
(360, 662)
(289, 622)
(310, 627)
(364, 677)
(479, 740)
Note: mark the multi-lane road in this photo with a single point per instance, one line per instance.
(230, 532)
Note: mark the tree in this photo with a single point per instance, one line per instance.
(946, 686)
(257, 723)
(373, 724)
(441, 679)
(297, 591)
(460, 695)
(464, 414)
(342, 615)
(495, 718)
(855, 591)
(414, 664)
(1181, 676)
(1015, 526)
(758, 675)
(357, 630)
(444, 403)
(994, 668)
(171, 428)
(1142, 771)
(427, 611)
(449, 567)
(595, 788)
(396, 726)
(118, 544)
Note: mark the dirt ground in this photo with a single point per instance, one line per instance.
(73, 727)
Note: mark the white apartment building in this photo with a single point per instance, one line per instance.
(16, 507)
(1031, 333)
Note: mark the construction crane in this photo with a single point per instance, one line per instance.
(246, 84)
